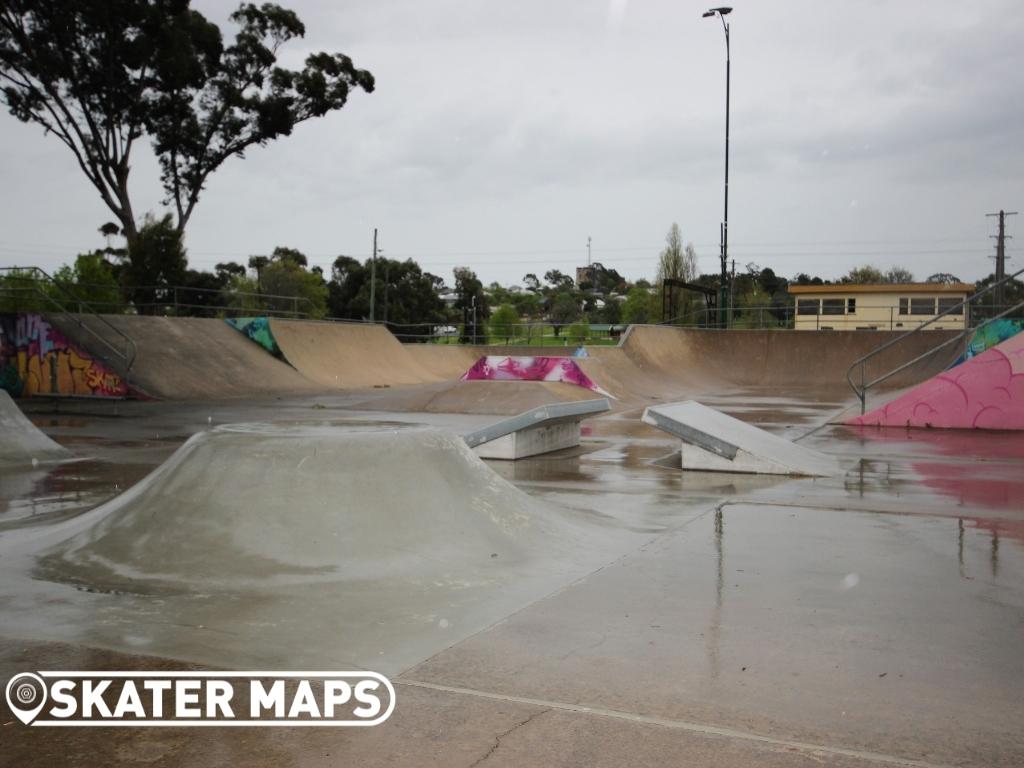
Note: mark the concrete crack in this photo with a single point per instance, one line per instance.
(500, 736)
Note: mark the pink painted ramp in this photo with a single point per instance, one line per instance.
(986, 392)
(498, 368)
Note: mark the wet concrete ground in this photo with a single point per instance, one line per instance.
(873, 618)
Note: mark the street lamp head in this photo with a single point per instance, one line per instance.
(719, 11)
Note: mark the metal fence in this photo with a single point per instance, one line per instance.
(867, 317)
(23, 292)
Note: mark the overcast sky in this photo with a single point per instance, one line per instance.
(503, 134)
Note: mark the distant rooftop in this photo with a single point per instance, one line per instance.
(847, 288)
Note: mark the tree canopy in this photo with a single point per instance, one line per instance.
(102, 74)
(868, 274)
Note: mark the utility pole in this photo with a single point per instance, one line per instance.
(1000, 239)
(732, 282)
(588, 250)
(373, 275)
(473, 305)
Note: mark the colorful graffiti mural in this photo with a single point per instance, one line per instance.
(986, 392)
(258, 330)
(37, 359)
(498, 368)
(991, 334)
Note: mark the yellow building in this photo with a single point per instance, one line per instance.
(886, 307)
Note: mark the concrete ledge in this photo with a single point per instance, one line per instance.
(540, 430)
(711, 441)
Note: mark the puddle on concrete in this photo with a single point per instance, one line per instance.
(57, 492)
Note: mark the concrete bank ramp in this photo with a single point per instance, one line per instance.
(21, 441)
(715, 442)
(185, 358)
(348, 355)
(985, 392)
(313, 544)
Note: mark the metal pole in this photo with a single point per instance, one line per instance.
(724, 307)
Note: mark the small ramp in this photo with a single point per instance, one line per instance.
(539, 430)
(715, 442)
(22, 441)
(985, 392)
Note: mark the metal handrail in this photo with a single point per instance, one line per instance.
(130, 350)
(957, 309)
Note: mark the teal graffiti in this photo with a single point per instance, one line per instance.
(989, 335)
(257, 329)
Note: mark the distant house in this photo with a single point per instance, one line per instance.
(584, 274)
(885, 307)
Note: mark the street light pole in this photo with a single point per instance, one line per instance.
(723, 294)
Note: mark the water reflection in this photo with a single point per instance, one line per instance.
(715, 630)
(996, 482)
(47, 494)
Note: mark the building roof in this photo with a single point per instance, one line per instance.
(855, 288)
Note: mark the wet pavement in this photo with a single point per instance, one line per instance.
(874, 618)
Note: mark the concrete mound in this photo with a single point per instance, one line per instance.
(335, 548)
(21, 440)
(258, 504)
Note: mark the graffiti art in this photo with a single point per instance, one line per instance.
(258, 330)
(37, 359)
(563, 369)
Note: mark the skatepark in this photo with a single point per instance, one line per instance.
(842, 593)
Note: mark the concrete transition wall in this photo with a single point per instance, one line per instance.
(195, 358)
(986, 392)
(657, 362)
(200, 358)
(348, 355)
(38, 359)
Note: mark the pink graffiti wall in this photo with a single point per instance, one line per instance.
(37, 359)
(986, 392)
(498, 368)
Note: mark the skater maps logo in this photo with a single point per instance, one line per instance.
(194, 698)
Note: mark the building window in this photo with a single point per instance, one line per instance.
(904, 305)
(807, 306)
(922, 306)
(951, 302)
(851, 306)
(833, 306)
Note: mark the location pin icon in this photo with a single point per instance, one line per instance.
(26, 695)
